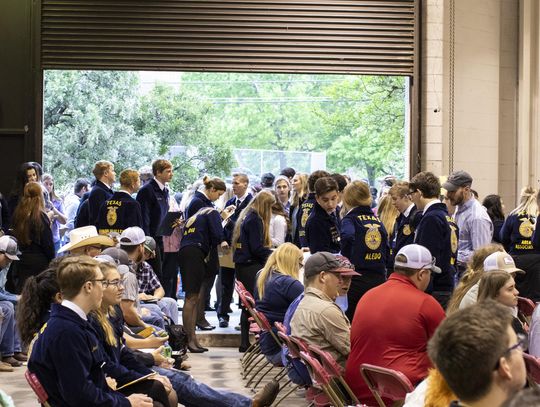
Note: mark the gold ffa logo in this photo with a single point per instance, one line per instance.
(305, 216)
(453, 239)
(373, 237)
(407, 230)
(111, 215)
(526, 228)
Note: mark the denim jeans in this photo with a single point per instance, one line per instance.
(169, 307)
(191, 393)
(10, 342)
(155, 318)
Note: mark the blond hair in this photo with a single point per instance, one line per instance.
(128, 178)
(297, 196)
(473, 274)
(73, 272)
(284, 260)
(101, 313)
(527, 202)
(356, 194)
(101, 167)
(388, 214)
(261, 204)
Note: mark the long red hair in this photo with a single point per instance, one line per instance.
(28, 214)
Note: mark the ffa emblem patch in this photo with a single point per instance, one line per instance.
(526, 228)
(111, 215)
(305, 216)
(453, 239)
(407, 230)
(373, 237)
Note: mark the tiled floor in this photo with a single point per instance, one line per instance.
(219, 368)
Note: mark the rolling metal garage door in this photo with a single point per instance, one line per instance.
(304, 36)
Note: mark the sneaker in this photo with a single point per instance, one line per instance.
(223, 323)
(5, 367)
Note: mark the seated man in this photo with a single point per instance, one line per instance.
(66, 357)
(151, 293)
(396, 335)
(132, 242)
(479, 355)
(86, 241)
(317, 319)
(10, 342)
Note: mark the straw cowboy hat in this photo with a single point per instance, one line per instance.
(85, 236)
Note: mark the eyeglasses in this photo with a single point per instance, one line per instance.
(522, 345)
(104, 283)
(115, 283)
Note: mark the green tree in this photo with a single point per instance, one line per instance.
(89, 116)
(180, 118)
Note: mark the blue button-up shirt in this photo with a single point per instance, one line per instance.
(475, 228)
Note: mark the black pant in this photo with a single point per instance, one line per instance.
(170, 274)
(227, 288)
(359, 286)
(152, 388)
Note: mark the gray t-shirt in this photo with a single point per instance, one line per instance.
(131, 286)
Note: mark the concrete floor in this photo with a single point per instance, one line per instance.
(219, 368)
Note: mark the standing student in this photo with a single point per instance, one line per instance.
(154, 200)
(307, 206)
(100, 192)
(283, 188)
(495, 210)
(55, 211)
(517, 231)
(213, 189)
(322, 226)
(435, 232)
(121, 211)
(31, 228)
(364, 242)
(241, 199)
(251, 244)
(299, 194)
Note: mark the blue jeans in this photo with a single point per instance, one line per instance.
(191, 393)
(10, 342)
(156, 316)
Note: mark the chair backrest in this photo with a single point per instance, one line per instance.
(319, 374)
(294, 352)
(280, 327)
(533, 367)
(526, 306)
(239, 286)
(386, 383)
(327, 360)
(300, 343)
(36, 386)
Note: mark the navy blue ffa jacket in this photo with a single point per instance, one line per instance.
(198, 201)
(250, 247)
(205, 231)
(229, 227)
(119, 212)
(437, 233)
(82, 216)
(68, 360)
(322, 231)
(517, 232)
(120, 363)
(364, 241)
(403, 233)
(294, 216)
(154, 206)
(302, 217)
(98, 195)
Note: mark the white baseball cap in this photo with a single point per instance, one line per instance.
(501, 261)
(416, 257)
(132, 236)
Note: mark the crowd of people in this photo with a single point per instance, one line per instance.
(421, 277)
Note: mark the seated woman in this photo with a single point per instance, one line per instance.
(466, 291)
(501, 287)
(277, 287)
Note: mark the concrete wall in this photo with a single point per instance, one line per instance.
(469, 109)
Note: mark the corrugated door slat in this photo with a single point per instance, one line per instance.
(340, 36)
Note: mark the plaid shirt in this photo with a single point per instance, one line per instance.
(148, 281)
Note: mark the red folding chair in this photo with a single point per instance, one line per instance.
(386, 383)
(38, 389)
(526, 306)
(321, 378)
(533, 367)
(280, 327)
(335, 371)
